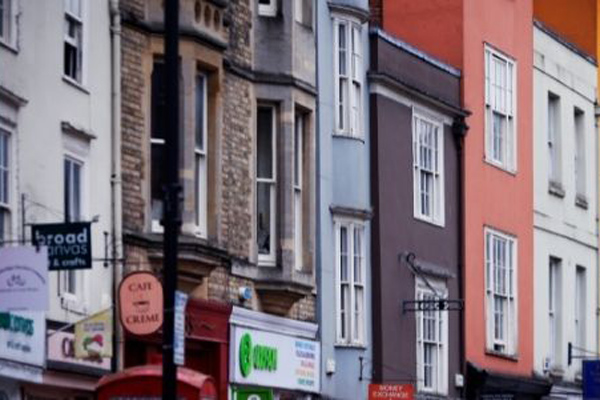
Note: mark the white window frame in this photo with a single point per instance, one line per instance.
(70, 277)
(500, 101)
(437, 213)
(269, 260)
(554, 138)
(298, 182)
(508, 343)
(268, 10)
(6, 185)
(201, 161)
(554, 309)
(350, 317)
(350, 81)
(8, 33)
(440, 368)
(71, 16)
(579, 117)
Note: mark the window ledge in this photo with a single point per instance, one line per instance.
(349, 137)
(10, 47)
(349, 346)
(509, 357)
(581, 201)
(556, 372)
(556, 189)
(435, 223)
(499, 166)
(75, 84)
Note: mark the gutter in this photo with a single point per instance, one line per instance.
(115, 179)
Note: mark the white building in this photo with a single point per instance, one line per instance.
(55, 163)
(565, 210)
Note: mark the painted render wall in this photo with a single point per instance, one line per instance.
(563, 229)
(35, 73)
(343, 180)
(493, 197)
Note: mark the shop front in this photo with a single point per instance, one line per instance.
(206, 344)
(272, 358)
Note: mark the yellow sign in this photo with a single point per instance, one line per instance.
(93, 336)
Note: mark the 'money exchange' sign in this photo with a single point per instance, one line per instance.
(141, 303)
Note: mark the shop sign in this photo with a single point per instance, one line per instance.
(141, 303)
(69, 244)
(253, 394)
(179, 332)
(275, 360)
(23, 278)
(591, 379)
(22, 337)
(93, 336)
(61, 348)
(391, 392)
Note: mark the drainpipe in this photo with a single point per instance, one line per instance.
(115, 181)
(459, 129)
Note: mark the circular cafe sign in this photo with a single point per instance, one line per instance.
(141, 303)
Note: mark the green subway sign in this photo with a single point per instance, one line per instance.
(258, 357)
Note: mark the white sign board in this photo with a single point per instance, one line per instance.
(22, 337)
(179, 336)
(274, 360)
(24, 278)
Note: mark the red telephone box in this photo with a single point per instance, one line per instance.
(145, 382)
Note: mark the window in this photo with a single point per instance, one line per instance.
(73, 206)
(350, 259)
(501, 270)
(8, 20)
(580, 307)
(200, 167)
(4, 185)
(73, 46)
(304, 12)
(298, 166)
(266, 184)
(428, 162)
(348, 78)
(554, 147)
(554, 311)
(157, 144)
(267, 8)
(432, 343)
(579, 154)
(500, 110)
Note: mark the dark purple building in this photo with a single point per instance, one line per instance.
(417, 130)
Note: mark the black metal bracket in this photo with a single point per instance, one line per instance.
(432, 305)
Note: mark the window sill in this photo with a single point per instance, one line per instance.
(556, 372)
(266, 264)
(75, 84)
(70, 303)
(581, 201)
(349, 137)
(501, 167)
(10, 47)
(350, 346)
(437, 224)
(509, 357)
(556, 189)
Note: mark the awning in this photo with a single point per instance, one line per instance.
(486, 384)
(145, 383)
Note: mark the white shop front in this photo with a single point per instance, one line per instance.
(272, 358)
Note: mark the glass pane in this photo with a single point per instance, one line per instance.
(298, 150)
(200, 111)
(344, 309)
(344, 254)
(76, 195)
(263, 233)
(342, 49)
(358, 255)
(2, 15)
(265, 138)
(358, 312)
(199, 176)
(158, 102)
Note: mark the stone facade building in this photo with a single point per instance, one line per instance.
(247, 161)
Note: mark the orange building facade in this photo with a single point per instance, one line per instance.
(491, 42)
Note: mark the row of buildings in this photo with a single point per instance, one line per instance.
(384, 192)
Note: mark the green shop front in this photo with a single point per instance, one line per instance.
(272, 358)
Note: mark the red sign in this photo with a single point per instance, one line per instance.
(391, 392)
(141, 303)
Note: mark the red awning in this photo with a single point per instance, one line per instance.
(146, 382)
